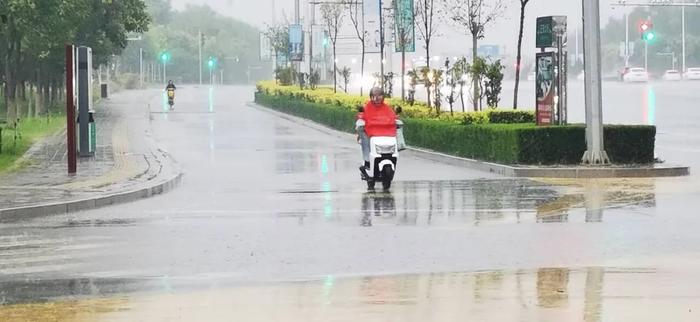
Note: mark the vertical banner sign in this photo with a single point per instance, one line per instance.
(296, 43)
(265, 48)
(320, 43)
(545, 87)
(405, 26)
(371, 12)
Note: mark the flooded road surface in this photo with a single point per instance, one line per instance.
(272, 223)
(546, 294)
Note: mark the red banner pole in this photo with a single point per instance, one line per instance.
(70, 112)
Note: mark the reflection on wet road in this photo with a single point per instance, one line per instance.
(266, 202)
(547, 294)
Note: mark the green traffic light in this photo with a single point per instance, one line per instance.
(649, 36)
(165, 57)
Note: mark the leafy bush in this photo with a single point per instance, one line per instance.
(417, 110)
(472, 135)
(510, 117)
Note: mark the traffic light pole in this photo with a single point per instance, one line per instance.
(683, 36)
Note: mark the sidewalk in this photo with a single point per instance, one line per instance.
(128, 165)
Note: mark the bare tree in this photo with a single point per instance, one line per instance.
(356, 15)
(474, 16)
(332, 14)
(425, 11)
(523, 4)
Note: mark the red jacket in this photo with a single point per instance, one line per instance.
(379, 120)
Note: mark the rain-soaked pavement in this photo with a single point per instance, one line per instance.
(272, 224)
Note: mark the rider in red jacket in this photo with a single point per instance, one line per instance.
(379, 117)
(376, 119)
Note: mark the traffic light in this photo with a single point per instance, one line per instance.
(646, 29)
(165, 56)
(212, 62)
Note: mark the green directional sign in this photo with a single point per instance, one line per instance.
(545, 32)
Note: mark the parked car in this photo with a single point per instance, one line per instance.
(693, 73)
(636, 74)
(672, 75)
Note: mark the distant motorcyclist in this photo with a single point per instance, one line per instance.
(170, 89)
(170, 86)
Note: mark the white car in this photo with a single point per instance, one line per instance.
(672, 75)
(693, 74)
(636, 74)
(531, 76)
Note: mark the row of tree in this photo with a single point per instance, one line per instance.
(471, 16)
(33, 35)
(232, 45)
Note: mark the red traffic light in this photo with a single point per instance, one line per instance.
(645, 25)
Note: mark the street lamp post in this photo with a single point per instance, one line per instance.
(595, 153)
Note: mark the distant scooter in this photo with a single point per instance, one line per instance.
(171, 98)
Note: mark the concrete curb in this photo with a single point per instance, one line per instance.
(28, 212)
(506, 170)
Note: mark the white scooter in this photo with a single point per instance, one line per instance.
(383, 156)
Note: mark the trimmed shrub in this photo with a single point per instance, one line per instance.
(469, 134)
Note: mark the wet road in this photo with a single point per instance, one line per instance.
(273, 223)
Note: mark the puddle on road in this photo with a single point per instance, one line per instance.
(477, 202)
(547, 294)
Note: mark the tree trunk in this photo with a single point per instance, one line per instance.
(519, 56)
(30, 103)
(362, 70)
(461, 97)
(475, 80)
(10, 87)
(403, 73)
(427, 63)
(46, 96)
(335, 70)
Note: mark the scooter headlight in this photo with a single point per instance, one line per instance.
(386, 149)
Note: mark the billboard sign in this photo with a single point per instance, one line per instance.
(545, 87)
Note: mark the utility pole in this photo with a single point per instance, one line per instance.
(595, 153)
(141, 67)
(627, 39)
(199, 43)
(381, 44)
(312, 4)
(683, 36)
(646, 47)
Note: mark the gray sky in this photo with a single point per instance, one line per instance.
(451, 42)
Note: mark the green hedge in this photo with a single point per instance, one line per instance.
(503, 143)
